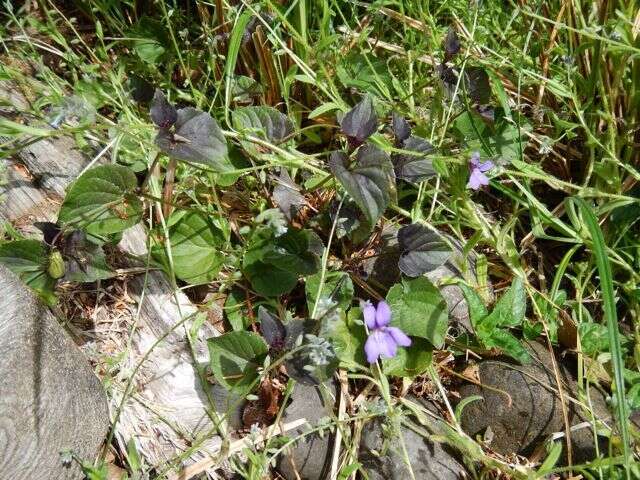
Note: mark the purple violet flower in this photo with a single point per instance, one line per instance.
(478, 168)
(383, 340)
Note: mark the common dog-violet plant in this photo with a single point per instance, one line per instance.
(477, 168)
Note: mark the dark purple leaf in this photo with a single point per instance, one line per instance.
(272, 329)
(451, 44)
(50, 231)
(370, 181)
(197, 139)
(401, 128)
(477, 85)
(163, 114)
(266, 122)
(422, 250)
(415, 167)
(360, 122)
(287, 196)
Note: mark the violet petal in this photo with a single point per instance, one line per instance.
(369, 313)
(477, 179)
(373, 346)
(399, 336)
(383, 314)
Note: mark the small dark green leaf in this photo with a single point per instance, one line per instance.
(593, 338)
(264, 122)
(337, 288)
(416, 166)
(477, 308)
(150, 40)
(360, 122)
(348, 338)
(422, 250)
(451, 44)
(102, 201)
(477, 85)
(196, 248)
(163, 114)
(419, 310)
(197, 139)
(509, 344)
(236, 309)
(510, 309)
(370, 182)
(235, 357)
(28, 259)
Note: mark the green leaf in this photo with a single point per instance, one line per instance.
(593, 338)
(235, 307)
(102, 201)
(370, 181)
(235, 357)
(28, 259)
(337, 287)
(509, 344)
(197, 243)
(264, 122)
(150, 40)
(419, 310)
(410, 361)
(510, 309)
(348, 338)
(273, 264)
(477, 308)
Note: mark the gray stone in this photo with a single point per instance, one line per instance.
(521, 407)
(310, 457)
(382, 457)
(50, 399)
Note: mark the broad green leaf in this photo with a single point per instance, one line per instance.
(235, 357)
(422, 249)
(510, 309)
(273, 264)
(264, 122)
(348, 338)
(150, 40)
(477, 308)
(197, 139)
(410, 361)
(337, 287)
(370, 181)
(593, 338)
(510, 345)
(28, 259)
(102, 201)
(197, 243)
(419, 310)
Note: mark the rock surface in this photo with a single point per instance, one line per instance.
(50, 399)
(532, 410)
(429, 460)
(310, 457)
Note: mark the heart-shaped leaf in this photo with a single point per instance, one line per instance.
(264, 122)
(28, 259)
(197, 139)
(337, 288)
(370, 182)
(409, 361)
(102, 201)
(273, 264)
(196, 248)
(401, 128)
(360, 122)
(235, 357)
(419, 310)
(163, 114)
(422, 250)
(414, 167)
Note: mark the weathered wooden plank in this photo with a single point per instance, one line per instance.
(168, 409)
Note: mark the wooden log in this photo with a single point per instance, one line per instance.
(168, 410)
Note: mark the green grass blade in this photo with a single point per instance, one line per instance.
(599, 249)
